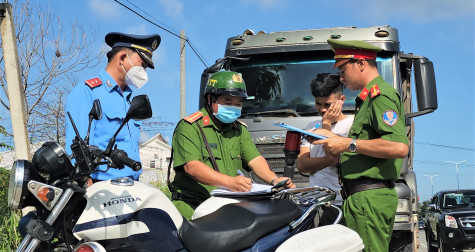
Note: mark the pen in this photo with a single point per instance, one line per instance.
(316, 126)
(240, 173)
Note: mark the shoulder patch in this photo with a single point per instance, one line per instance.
(92, 83)
(363, 94)
(193, 117)
(206, 120)
(375, 91)
(243, 123)
(390, 117)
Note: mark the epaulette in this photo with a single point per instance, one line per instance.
(375, 91)
(193, 117)
(241, 122)
(92, 83)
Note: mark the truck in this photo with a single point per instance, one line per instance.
(278, 67)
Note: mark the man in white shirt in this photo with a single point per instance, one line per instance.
(328, 92)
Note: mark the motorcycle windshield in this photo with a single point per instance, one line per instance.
(282, 83)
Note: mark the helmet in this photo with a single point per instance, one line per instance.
(226, 83)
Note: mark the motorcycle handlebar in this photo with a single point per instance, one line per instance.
(120, 158)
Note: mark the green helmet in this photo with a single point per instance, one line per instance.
(226, 83)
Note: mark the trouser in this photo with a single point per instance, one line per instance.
(371, 214)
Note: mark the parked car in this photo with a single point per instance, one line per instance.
(450, 222)
(422, 224)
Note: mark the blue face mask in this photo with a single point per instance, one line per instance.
(227, 113)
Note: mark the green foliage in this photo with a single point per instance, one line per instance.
(423, 209)
(9, 236)
(163, 187)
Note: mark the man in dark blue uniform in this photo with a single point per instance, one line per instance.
(127, 60)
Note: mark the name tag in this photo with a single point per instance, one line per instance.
(213, 145)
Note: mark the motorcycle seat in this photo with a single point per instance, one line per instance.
(234, 227)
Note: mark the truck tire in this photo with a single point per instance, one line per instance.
(401, 242)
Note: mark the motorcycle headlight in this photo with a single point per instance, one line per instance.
(403, 206)
(22, 172)
(52, 162)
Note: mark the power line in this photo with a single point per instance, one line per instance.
(165, 29)
(446, 146)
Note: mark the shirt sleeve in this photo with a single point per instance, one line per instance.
(249, 149)
(388, 119)
(187, 144)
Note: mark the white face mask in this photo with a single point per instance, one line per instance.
(136, 76)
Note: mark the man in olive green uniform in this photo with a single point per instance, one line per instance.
(373, 152)
(228, 140)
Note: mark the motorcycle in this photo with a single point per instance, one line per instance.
(127, 215)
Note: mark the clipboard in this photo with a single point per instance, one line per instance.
(310, 134)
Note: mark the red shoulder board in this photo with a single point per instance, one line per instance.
(92, 83)
(375, 91)
(364, 93)
(193, 117)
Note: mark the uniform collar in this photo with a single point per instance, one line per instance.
(111, 85)
(366, 90)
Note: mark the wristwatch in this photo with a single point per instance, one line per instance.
(352, 146)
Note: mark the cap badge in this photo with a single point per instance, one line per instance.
(154, 45)
(237, 78)
(390, 117)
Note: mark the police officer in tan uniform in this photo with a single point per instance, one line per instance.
(373, 152)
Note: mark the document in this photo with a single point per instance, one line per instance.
(256, 189)
(283, 125)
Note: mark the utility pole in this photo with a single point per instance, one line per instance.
(182, 75)
(431, 176)
(457, 169)
(15, 88)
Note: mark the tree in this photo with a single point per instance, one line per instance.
(49, 57)
(423, 208)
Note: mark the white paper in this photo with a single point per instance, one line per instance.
(256, 189)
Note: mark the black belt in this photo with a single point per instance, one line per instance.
(194, 201)
(362, 184)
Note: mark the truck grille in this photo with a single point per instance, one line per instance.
(274, 154)
(468, 224)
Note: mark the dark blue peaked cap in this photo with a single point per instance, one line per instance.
(143, 44)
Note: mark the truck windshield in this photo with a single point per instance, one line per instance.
(459, 199)
(281, 84)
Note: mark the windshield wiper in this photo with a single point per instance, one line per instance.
(287, 111)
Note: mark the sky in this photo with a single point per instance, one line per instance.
(441, 30)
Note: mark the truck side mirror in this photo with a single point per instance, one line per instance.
(426, 90)
(432, 207)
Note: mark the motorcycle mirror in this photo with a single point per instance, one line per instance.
(96, 114)
(96, 111)
(140, 108)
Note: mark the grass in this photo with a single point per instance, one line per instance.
(9, 236)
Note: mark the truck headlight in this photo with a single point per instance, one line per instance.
(450, 221)
(22, 172)
(403, 206)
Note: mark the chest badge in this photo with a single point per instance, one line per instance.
(390, 117)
